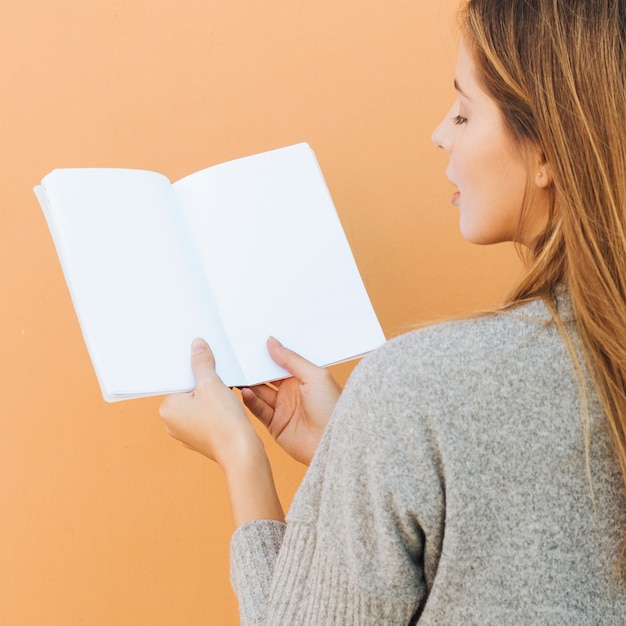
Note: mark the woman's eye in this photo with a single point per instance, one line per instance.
(459, 119)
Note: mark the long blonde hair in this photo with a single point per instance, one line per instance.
(557, 69)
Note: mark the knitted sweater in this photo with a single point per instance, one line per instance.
(450, 487)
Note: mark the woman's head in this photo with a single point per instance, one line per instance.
(556, 69)
(496, 173)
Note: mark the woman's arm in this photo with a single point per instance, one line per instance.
(212, 421)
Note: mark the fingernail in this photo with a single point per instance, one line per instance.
(274, 340)
(198, 345)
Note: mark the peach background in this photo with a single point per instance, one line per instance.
(105, 519)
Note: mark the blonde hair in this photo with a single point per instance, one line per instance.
(557, 69)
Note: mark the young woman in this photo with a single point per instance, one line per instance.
(472, 472)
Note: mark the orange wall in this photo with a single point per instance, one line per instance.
(105, 519)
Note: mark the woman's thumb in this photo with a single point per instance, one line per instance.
(202, 361)
(295, 364)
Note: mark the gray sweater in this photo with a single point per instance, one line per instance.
(450, 487)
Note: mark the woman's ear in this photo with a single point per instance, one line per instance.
(543, 175)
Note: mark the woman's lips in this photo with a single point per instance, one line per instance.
(455, 197)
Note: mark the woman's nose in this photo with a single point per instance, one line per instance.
(442, 136)
(437, 137)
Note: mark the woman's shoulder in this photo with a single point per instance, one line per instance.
(480, 357)
(445, 370)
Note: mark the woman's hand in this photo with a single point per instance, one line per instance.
(297, 410)
(212, 421)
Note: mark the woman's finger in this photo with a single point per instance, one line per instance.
(265, 393)
(258, 406)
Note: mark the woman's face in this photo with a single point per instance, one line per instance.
(488, 166)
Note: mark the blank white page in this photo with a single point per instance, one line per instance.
(274, 251)
(127, 265)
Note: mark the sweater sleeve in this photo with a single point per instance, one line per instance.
(253, 551)
(353, 551)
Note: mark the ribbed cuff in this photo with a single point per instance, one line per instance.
(310, 589)
(253, 551)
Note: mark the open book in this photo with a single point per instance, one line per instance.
(233, 253)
